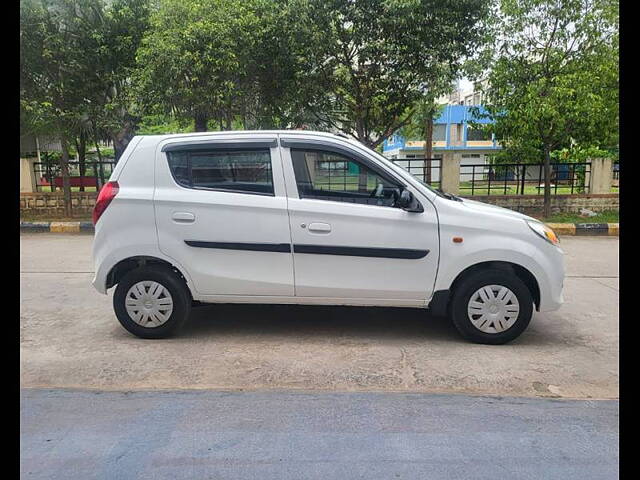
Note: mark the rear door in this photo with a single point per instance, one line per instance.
(221, 212)
(349, 240)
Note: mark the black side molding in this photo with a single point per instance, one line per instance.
(254, 247)
(405, 253)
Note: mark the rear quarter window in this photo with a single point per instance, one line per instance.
(246, 171)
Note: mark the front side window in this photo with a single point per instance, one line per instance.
(236, 171)
(331, 176)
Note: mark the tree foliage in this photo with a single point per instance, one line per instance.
(364, 64)
(554, 84)
(214, 60)
(76, 60)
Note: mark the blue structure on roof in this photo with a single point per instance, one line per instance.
(451, 115)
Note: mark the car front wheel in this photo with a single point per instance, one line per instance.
(491, 306)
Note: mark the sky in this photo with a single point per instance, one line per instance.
(465, 84)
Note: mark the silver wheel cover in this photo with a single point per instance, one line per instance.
(493, 309)
(149, 304)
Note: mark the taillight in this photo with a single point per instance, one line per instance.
(107, 193)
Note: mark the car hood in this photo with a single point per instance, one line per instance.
(492, 209)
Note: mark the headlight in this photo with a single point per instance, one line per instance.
(544, 231)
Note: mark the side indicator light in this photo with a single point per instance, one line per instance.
(457, 239)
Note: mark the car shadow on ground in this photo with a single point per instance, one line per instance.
(362, 323)
(334, 323)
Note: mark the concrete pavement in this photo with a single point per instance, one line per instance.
(70, 338)
(293, 436)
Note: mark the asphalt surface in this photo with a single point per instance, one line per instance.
(70, 338)
(292, 436)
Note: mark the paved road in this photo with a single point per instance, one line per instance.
(206, 426)
(71, 339)
(294, 436)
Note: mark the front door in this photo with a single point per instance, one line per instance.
(349, 241)
(221, 212)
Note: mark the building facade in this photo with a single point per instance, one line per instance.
(452, 132)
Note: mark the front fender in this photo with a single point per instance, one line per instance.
(544, 261)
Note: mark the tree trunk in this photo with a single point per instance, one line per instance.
(428, 149)
(201, 122)
(81, 147)
(64, 171)
(228, 119)
(547, 181)
(99, 178)
(121, 139)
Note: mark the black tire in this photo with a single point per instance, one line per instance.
(469, 285)
(179, 294)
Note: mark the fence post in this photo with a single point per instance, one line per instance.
(450, 172)
(601, 175)
(27, 175)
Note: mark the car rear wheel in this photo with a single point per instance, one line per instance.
(152, 302)
(491, 306)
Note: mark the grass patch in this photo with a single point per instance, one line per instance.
(609, 216)
(55, 218)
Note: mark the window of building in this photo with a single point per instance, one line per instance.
(477, 134)
(439, 132)
(236, 171)
(351, 182)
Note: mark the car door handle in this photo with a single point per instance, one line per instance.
(183, 217)
(317, 227)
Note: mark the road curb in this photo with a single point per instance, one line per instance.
(607, 229)
(586, 229)
(57, 227)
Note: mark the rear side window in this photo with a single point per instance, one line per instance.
(246, 171)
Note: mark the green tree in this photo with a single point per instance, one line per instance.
(117, 111)
(51, 85)
(365, 64)
(111, 33)
(76, 59)
(420, 125)
(202, 59)
(554, 83)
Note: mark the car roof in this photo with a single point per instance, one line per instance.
(248, 132)
(242, 133)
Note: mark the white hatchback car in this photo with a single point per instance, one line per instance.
(303, 217)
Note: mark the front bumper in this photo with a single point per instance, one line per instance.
(551, 291)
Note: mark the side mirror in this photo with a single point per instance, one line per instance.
(408, 202)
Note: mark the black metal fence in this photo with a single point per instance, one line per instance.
(523, 179)
(425, 169)
(95, 174)
(504, 178)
